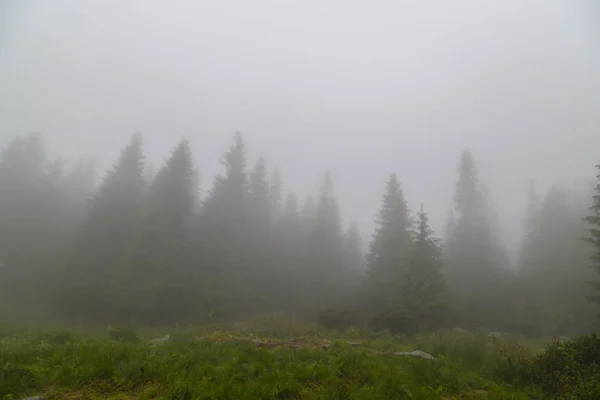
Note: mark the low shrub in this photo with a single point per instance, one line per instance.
(569, 370)
(15, 378)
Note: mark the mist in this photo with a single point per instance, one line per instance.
(358, 90)
(364, 89)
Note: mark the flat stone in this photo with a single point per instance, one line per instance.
(161, 340)
(415, 353)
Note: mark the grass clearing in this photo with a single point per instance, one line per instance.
(259, 363)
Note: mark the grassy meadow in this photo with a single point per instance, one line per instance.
(261, 360)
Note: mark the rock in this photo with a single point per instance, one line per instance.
(415, 353)
(161, 340)
(36, 398)
(495, 334)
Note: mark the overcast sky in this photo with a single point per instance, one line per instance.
(364, 88)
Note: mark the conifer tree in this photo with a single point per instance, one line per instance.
(593, 219)
(259, 198)
(424, 294)
(473, 258)
(290, 257)
(261, 279)
(389, 251)
(325, 249)
(104, 236)
(160, 274)
(531, 223)
(223, 233)
(24, 212)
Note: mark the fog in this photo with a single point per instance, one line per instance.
(360, 88)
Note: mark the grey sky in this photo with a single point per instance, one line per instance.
(363, 88)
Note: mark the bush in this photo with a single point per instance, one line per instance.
(569, 369)
(396, 322)
(338, 319)
(14, 378)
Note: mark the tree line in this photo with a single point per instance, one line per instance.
(144, 248)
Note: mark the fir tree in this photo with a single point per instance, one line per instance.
(424, 294)
(104, 236)
(389, 250)
(223, 233)
(325, 249)
(160, 275)
(473, 256)
(594, 236)
(259, 198)
(261, 278)
(26, 207)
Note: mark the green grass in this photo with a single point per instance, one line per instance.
(258, 362)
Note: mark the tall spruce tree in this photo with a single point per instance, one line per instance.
(552, 280)
(531, 223)
(26, 206)
(289, 256)
(473, 257)
(104, 236)
(594, 236)
(223, 230)
(325, 250)
(425, 296)
(389, 251)
(159, 275)
(261, 278)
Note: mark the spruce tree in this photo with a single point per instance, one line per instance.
(594, 236)
(531, 223)
(259, 198)
(290, 257)
(261, 280)
(424, 294)
(555, 267)
(160, 274)
(25, 209)
(108, 227)
(223, 232)
(354, 269)
(473, 256)
(389, 250)
(325, 249)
